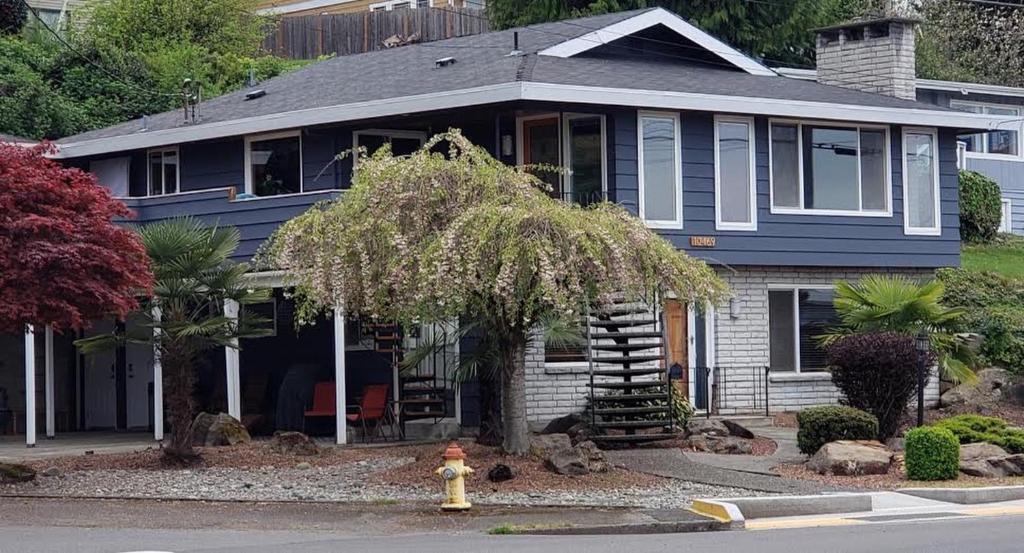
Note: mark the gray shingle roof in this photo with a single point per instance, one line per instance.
(484, 60)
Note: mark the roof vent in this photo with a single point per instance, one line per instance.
(253, 94)
(444, 62)
(515, 45)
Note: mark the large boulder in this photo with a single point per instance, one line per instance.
(561, 425)
(580, 432)
(706, 427)
(571, 462)
(985, 392)
(596, 461)
(974, 452)
(989, 461)
(738, 430)
(730, 445)
(543, 445)
(293, 443)
(13, 473)
(222, 429)
(852, 458)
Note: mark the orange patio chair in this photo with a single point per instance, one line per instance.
(373, 409)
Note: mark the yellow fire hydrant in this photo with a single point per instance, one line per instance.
(454, 472)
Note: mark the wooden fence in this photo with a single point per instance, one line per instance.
(310, 36)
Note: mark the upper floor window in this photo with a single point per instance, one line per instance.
(995, 144)
(921, 213)
(390, 5)
(573, 141)
(661, 183)
(273, 164)
(402, 143)
(735, 174)
(163, 176)
(830, 169)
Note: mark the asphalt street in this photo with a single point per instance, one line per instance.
(962, 535)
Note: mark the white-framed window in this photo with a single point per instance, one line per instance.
(829, 169)
(797, 315)
(1006, 221)
(273, 164)
(1001, 144)
(163, 175)
(265, 312)
(660, 169)
(402, 142)
(577, 143)
(921, 212)
(390, 5)
(735, 174)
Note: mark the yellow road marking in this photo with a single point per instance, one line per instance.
(774, 524)
(993, 511)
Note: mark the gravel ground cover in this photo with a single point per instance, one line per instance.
(381, 475)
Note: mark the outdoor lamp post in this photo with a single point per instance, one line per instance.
(922, 344)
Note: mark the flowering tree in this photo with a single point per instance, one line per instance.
(63, 261)
(430, 237)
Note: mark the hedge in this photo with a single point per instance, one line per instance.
(971, 429)
(821, 425)
(933, 453)
(980, 207)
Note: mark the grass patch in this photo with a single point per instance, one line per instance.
(1004, 256)
(511, 529)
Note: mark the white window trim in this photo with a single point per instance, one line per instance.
(248, 159)
(389, 5)
(677, 222)
(795, 288)
(800, 170)
(389, 133)
(149, 172)
(1019, 156)
(1006, 223)
(752, 185)
(937, 186)
(563, 119)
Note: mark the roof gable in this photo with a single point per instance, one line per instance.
(647, 20)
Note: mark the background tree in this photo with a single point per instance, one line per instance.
(430, 237)
(979, 42)
(63, 260)
(779, 31)
(13, 14)
(193, 278)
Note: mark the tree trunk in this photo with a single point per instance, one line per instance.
(490, 409)
(513, 395)
(179, 389)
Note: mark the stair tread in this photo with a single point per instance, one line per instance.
(418, 378)
(653, 423)
(421, 401)
(621, 411)
(629, 385)
(622, 359)
(621, 309)
(620, 398)
(623, 322)
(625, 347)
(423, 415)
(624, 335)
(636, 438)
(628, 372)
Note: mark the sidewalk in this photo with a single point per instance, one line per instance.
(785, 452)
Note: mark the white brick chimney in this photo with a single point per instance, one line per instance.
(875, 55)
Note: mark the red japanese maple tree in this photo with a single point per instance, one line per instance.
(63, 259)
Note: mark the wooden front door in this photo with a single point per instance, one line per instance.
(677, 333)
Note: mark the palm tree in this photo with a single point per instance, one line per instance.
(194, 278)
(896, 303)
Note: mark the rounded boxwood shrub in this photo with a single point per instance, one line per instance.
(980, 207)
(821, 425)
(877, 373)
(933, 453)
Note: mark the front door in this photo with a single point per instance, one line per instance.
(138, 377)
(541, 147)
(676, 323)
(99, 384)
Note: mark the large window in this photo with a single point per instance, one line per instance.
(829, 169)
(273, 164)
(921, 213)
(995, 144)
(796, 317)
(162, 172)
(573, 141)
(735, 174)
(402, 142)
(661, 185)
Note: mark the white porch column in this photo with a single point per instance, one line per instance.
(48, 385)
(232, 364)
(158, 381)
(30, 386)
(341, 430)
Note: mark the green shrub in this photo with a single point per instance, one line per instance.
(995, 309)
(821, 425)
(971, 429)
(980, 207)
(933, 453)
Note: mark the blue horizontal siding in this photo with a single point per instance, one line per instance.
(791, 240)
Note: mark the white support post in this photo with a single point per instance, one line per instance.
(48, 385)
(341, 424)
(232, 365)
(158, 380)
(30, 386)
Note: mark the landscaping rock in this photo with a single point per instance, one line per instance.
(52, 472)
(852, 458)
(738, 430)
(303, 466)
(698, 443)
(571, 462)
(211, 430)
(1014, 394)
(596, 461)
(580, 432)
(730, 445)
(500, 473)
(293, 443)
(974, 452)
(989, 461)
(561, 425)
(986, 392)
(706, 427)
(12, 473)
(544, 445)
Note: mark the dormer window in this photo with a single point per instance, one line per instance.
(273, 164)
(163, 176)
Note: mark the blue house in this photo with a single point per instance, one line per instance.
(782, 185)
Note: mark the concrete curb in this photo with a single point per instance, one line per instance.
(967, 496)
(680, 527)
(740, 509)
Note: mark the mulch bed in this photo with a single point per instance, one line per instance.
(896, 478)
